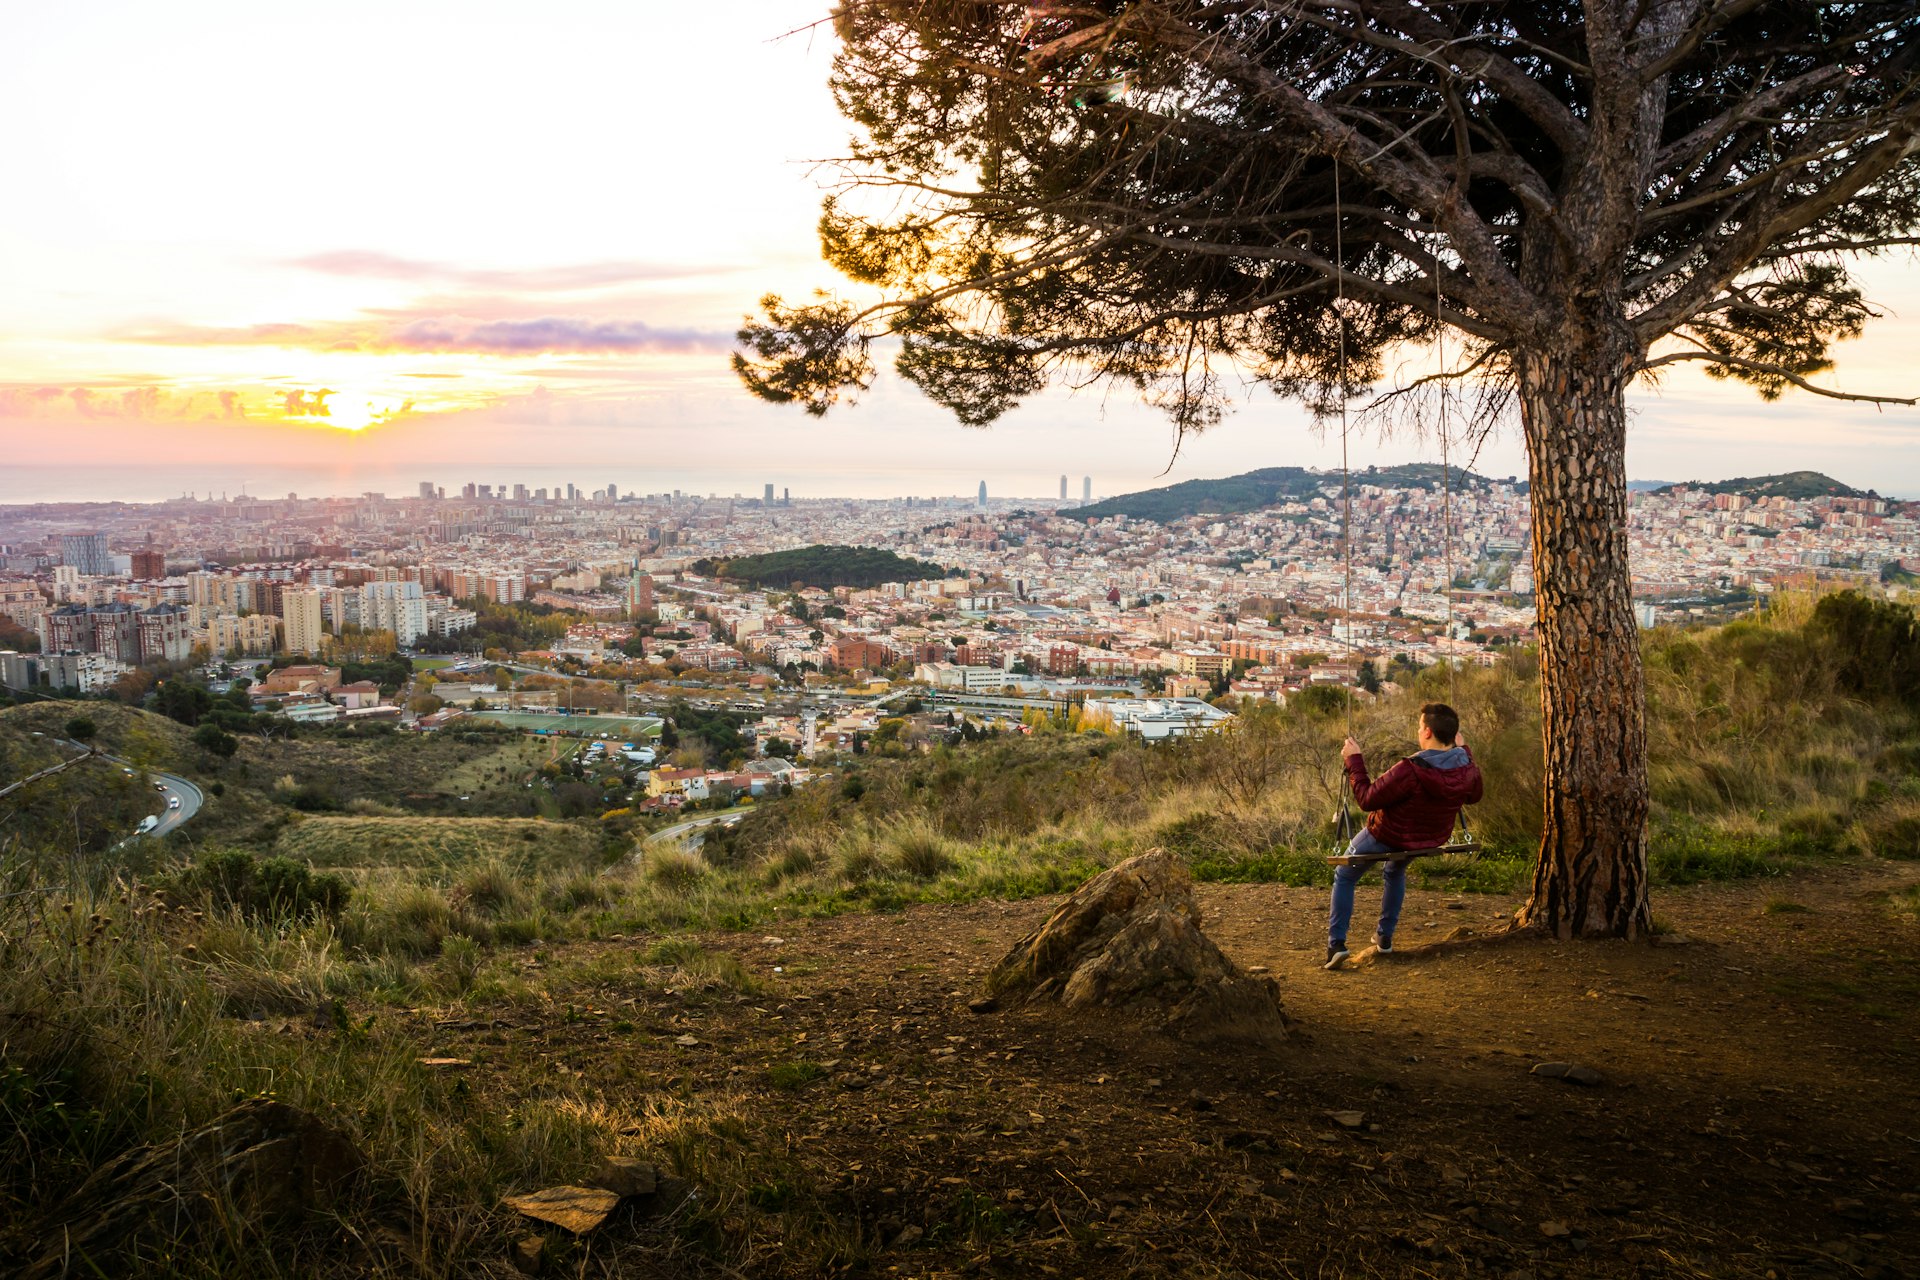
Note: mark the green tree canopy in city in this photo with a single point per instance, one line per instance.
(822, 566)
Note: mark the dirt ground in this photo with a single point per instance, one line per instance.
(1757, 1116)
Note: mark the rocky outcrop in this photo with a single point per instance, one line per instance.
(1130, 939)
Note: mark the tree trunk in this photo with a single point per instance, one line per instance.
(1591, 876)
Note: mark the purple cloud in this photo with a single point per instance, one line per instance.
(547, 335)
(368, 264)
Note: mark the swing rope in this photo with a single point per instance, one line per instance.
(1466, 841)
(1446, 516)
(1346, 475)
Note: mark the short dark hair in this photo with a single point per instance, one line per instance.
(1442, 721)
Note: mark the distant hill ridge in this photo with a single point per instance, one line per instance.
(1789, 484)
(1252, 490)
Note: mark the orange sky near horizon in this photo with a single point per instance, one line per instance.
(376, 236)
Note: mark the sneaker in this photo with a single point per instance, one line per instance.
(1382, 944)
(1336, 955)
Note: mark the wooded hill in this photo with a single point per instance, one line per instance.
(1790, 484)
(1252, 490)
(823, 566)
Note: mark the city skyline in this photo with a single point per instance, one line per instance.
(545, 277)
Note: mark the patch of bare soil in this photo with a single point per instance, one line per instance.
(1756, 1117)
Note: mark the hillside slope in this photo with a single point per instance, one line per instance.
(1252, 490)
(1788, 484)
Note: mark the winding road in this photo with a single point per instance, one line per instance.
(189, 795)
(170, 786)
(679, 831)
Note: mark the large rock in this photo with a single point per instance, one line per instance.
(1130, 939)
(261, 1162)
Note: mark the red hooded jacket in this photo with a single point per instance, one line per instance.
(1415, 803)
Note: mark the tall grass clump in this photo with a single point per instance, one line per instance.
(399, 918)
(675, 869)
(916, 847)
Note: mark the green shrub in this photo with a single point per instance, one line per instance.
(1892, 830)
(1690, 854)
(460, 961)
(677, 869)
(491, 889)
(272, 889)
(404, 920)
(919, 850)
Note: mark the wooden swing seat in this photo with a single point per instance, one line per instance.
(1401, 855)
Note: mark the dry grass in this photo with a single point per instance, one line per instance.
(436, 843)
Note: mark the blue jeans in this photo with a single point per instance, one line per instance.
(1394, 886)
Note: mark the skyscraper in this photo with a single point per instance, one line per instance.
(426, 488)
(86, 552)
(1086, 489)
(613, 491)
(1063, 488)
(300, 614)
(769, 497)
(639, 595)
(983, 493)
(394, 606)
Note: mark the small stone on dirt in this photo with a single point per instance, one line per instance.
(1348, 1119)
(1554, 1230)
(908, 1237)
(685, 1042)
(530, 1255)
(1571, 1072)
(575, 1209)
(1199, 1102)
(627, 1177)
(984, 1004)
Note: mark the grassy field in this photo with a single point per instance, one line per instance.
(439, 846)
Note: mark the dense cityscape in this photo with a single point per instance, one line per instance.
(1000, 605)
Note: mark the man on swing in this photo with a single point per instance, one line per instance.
(1413, 806)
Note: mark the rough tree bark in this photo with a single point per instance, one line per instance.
(1590, 878)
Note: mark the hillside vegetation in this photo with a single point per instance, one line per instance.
(649, 1000)
(1252, 490)
(1790, 484)
(822, 566)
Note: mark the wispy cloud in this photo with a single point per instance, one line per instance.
(152, 404)
(370, 264)
(446, 335)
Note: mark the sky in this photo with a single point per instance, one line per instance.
(353, 247)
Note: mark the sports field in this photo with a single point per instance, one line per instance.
(628, 728)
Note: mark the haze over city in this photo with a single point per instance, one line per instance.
(328, 254)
